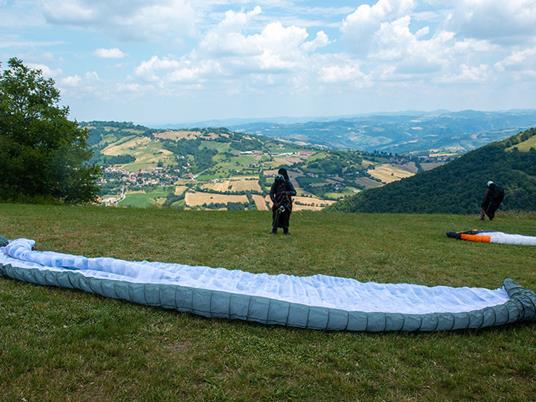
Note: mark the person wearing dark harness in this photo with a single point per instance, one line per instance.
(492, 200)
(281, 195)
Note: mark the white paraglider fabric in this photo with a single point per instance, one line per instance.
(318, 290)
(507, 238)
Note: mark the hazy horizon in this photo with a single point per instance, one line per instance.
(312, 118)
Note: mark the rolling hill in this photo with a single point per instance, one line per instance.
(411, 132)
(458, 186)
(216, 168)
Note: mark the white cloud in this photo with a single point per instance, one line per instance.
(341, 73)
(149, 69)
(169, 70)
(113, 53)
(281, 47)
(46, 70)
(230, 51)
(134, 19)
(395, 43)
(468, 74)
(69, 12)
(522, 59)
(71, 81)
(16, 42)
(383, 38)
(84, 83)
(364, 22)
(475, 45)
(276, 48)
(502, 21)
(133, 88)
(319, 41)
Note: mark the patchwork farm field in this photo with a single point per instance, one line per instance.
(58, 344)
(138, 159)
(388, 173)
(198, 199)
(235, 184)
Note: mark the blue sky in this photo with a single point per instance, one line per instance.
(167, 61)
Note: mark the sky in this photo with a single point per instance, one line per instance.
(172, 61)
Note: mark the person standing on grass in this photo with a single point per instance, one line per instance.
(281, 195)
(493, 198)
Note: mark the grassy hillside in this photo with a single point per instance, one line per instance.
(57, 344)
(458, 186)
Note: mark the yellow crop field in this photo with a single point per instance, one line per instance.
(525, 146)
(245, 185)
(186, 135)
(270, 172)
(236, 184)
(220, 186)
(310, 204)
(260, 202)
(198, 198)
(388, 173)
(178, 135)
(146, 152)
(306, 203)
(180, 190)
(124, 147)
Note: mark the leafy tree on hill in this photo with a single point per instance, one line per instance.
(42, 153)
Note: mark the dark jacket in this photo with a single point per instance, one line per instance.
(493, 196)
(281, 193)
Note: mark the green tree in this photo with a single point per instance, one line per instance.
(42, 153)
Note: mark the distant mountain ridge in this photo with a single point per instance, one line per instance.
(409, 132)
(458, 186)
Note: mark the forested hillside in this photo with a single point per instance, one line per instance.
(458, 186)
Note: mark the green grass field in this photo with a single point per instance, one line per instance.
(58, 344)
(527, 145)
(145, 199)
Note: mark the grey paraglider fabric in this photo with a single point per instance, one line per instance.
(315, 302)
(3, 241)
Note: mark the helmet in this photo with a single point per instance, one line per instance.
(490, 183)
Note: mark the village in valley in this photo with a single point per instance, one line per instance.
(217, 169)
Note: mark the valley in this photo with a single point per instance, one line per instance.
(218, 169)
(416, 133)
